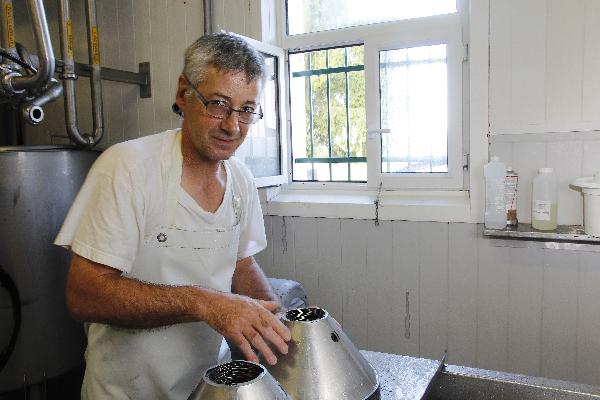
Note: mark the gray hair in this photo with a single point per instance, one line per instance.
(225, 52)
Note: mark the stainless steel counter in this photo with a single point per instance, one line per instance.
(404, 377)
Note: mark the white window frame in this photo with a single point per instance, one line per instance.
(277, 52)
(391, 35)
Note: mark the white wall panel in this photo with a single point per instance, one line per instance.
(382, 295)
(559, 314)
(514, 308)
(406, 281)
(331, 281)
(354, 266)
(283, 247)
(591, 61)
(588, 320)
(525, 310)
(462, 294)
(591, 158)
(564, 61)
(433, 289)
(542, 57)
(566, 159)
(492, 305)
(306, 251)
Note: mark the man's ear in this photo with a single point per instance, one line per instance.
(180, 99)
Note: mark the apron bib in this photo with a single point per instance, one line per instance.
(167, 362)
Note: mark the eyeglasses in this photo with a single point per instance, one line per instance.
(220, 109)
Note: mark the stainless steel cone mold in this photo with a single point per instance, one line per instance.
(238, 380)
(322, 363)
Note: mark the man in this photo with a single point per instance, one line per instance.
(162, 234)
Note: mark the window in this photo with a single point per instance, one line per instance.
(328, 112)
(376, 92)
(264, 147)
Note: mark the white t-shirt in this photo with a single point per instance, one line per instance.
(123, 199)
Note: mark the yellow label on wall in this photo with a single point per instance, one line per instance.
(69, 39)
(10, 24)
(95, 46)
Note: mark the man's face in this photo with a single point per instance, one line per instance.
(213, 139)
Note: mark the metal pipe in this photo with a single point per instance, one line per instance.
(32, 111)
(207, 17)
(68, 76)
(46, 60)
(95, 81)
(7, 40)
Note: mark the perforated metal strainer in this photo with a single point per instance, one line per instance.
(238, 380)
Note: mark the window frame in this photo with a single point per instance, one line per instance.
(283, 94)
(376, 37)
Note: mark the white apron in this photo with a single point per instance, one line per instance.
(167, 362)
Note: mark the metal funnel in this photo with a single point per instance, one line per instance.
(238, 380)
(322, 363)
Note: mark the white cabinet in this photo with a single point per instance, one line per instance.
(544, 66)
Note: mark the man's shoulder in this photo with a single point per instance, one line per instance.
(240, 169)
(136, 153)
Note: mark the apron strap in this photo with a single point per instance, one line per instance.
(174, 180)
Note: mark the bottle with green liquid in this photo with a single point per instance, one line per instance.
(544, 204)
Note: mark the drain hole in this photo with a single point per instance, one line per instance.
(335, 337)
(306, 314)
(234, 373)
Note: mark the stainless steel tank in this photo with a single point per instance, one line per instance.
(37, 187)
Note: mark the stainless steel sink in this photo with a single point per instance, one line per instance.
(458, 383)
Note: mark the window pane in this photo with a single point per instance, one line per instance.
(260, 150)
(305, 16)
(413, 85)
(328, 114)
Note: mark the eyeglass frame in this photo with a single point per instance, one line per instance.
(206, 103)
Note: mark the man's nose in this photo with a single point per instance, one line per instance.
(231, 124)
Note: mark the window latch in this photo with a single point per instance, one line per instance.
(375, 133)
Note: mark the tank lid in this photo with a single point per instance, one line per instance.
(13, 149)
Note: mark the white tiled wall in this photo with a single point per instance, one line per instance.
(500, 305)
(571, 154)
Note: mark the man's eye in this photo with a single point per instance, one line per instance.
(220, 103)
(248, 109)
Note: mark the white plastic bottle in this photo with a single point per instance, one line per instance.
(544, 200)
(495, 205)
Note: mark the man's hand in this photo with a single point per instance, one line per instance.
(248, 322)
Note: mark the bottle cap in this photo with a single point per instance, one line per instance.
(546, 170)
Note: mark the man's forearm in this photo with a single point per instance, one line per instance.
(96, 294)
(250, 280)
